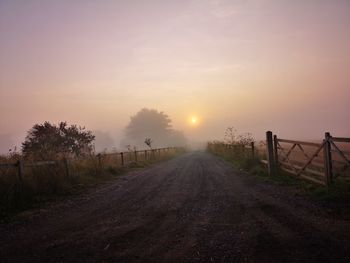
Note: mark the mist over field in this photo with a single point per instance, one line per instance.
(254, 65)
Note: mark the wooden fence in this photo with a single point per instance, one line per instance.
(247, 148)
(240, 149)
(319, 162)
(120, 159)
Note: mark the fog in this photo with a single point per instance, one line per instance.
(254, 65)
(103, 141)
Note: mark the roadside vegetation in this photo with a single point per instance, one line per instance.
(59, 160)
(236, 150)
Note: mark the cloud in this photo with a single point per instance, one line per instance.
(223, 9)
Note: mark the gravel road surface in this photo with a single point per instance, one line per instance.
(193, 208)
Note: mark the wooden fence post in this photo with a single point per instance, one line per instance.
(136, 156)
(99, 161)
(20, 166)
(275, 148)
(328, 159)
(253, 149)
(122, 157)
(145, 155)
(270, 158)
(66, 166)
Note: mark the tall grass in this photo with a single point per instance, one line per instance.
(336, 193)
(238, 154)
(45, 182)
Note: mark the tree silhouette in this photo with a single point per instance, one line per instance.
(48, 141)
(150, 123)
(148, 142)
(231, 137)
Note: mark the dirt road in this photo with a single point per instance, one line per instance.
(194, 208)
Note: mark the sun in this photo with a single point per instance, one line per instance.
(193, 120)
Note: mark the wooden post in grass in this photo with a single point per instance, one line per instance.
(253, 149)
(275, 148)
(327, 159)
(20, 166)
(122, 157)
(271, 167)
(66, 166)
(99, 161)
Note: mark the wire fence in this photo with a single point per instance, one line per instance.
(24, 181)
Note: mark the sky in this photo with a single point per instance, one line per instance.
(256, 65)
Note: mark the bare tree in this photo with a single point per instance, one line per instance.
(148, 142)
(230, 135)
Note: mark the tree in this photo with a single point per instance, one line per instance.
(231, 137)
(148, 142)
(245, 138)
(48, 141)
(150, 123)
(177, 138)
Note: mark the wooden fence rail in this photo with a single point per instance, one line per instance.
(319, 164)
(8, 165)
(250, 148)
(125, 159)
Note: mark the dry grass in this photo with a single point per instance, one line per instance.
(42, 183)
(336, 193)
(239, 155)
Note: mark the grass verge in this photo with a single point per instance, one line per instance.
(338, 192)
(47, 184)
